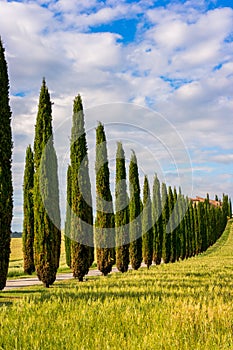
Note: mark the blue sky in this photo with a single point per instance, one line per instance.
(175, 57)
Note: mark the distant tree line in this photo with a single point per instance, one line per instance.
(159, 225)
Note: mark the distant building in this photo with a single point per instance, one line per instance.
(202, 200)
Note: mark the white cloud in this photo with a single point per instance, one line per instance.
(223, 158)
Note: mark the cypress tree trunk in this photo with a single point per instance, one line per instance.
(147, 226)
(158, 222)
(104, 224)
(67, 236)
(28, 208)
(135, 218)
(81, 200)
(122, 212)
(6, 189)
(47, 234)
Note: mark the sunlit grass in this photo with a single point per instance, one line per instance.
(186, 305)
(16, 259)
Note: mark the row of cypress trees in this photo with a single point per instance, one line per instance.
(149, 230)
(163, 226)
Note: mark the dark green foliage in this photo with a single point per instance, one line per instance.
(202, 225)
(43, 129)
(28, 209)
(192, 234)
(135, 217)
(47, 234)
(81, 200)
(212, 236)
(104, 224)
(121, 212)
(225, 211)
(6, 189)
(166, 231)
(157, 221)
(147, 225)
(171, 224)
(177, 218)
(230, 208)
(196, 231)
(67, 235)
(182, 226)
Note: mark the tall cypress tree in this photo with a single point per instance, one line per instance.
(196, 230)
(67, 236)
(104, 224)
(47, 234)
(171, 224)
(177, 219)
(193, 237)
(225, 210)
(81, 200)
(121, 212)
(166, 232)
(28, 208)
(147, 226)
(6, 189)
(202, 229)
(158, 222)
(135, 218)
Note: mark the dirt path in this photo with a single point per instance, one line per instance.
(32, 281)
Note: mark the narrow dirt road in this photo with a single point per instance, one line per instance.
(32, 281)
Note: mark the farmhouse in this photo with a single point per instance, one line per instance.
(198, 199)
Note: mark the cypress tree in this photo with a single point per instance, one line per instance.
(202, 228)
(187, 231)
(6, 189)
(81, 200)
(171, 224)
(196, 230)
(28, 209)
(104, 223)
(225, 211)
(193, 231)
(158, 222)
(213, 225)
(135, 218)
(67, 236)
(230, 208)
(207, 218)
(47, 234)
(182, 226)
(147, 226)
(166, 233)
(121, 212)
(177, 219)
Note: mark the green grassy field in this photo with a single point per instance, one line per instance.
(186, 305)
(16, 259)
